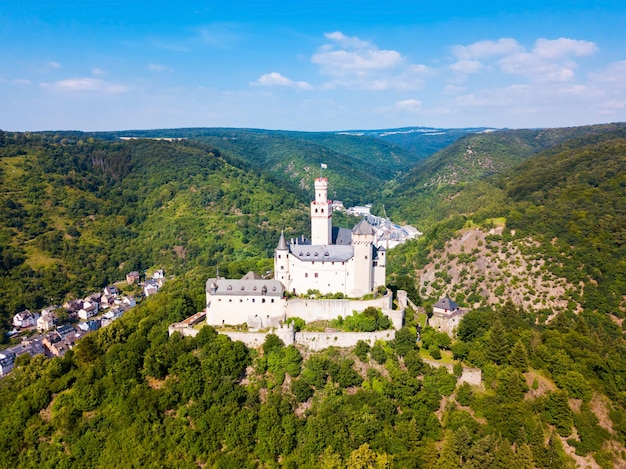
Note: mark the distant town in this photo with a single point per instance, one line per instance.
(388, 234)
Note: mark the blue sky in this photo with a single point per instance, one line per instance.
(114, 65)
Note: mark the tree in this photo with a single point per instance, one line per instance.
(272, 343)
(405, 341)
(518, 358)
(361, 350)
(559, 413)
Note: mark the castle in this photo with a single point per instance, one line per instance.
(334, 260)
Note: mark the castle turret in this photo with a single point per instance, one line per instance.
(363, 242)
(321, 215)
(281, 261)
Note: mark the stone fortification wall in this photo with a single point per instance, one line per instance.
(325, 310)
(321, 340)
(183, 329)
(312, 340)
(471, 376)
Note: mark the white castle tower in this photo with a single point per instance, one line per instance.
(321, 215)
(281, 261)
(363, 241)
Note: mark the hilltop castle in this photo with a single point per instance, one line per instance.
(334, 260)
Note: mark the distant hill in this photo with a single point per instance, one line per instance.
(427, 193)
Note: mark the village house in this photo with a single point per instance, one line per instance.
(7, 359)
(111, 290)
(150, 287)
(47, 320)
(25, 319)
(89, 310)
(132, 277)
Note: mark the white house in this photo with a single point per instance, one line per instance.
(89, 310)
(25, 319)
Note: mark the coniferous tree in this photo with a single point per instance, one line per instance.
(518, 358)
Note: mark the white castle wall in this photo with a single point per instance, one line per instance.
(325, 310)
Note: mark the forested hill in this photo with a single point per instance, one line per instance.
(359, 162)
(77, 214)
(565, 206)
(427, 193)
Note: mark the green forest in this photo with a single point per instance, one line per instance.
(81, 210)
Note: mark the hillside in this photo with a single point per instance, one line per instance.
(560, 238)
(537, 250)
(357, 165)
(77, 214)
(442, 185)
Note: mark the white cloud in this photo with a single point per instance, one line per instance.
(614, 73)
(158, 68)
(98, 72)
(486, 49)
(549, 61)
(55, 65)
(612, 107)
(408, 105)
(466, 66)
(86, 84)
(563, 47)
(276, 79)
(355, 63)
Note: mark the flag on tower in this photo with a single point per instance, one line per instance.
(324, 166)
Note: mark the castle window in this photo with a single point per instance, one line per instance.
(254, 288)
(230, 300)
(282, 267)
(230, 287)
(316, 254)
(315, 274)
(366, 257)
(240, 300)
(263, 300)
(326, 254)
(253, 300)
(272, 300)
(315, 210)
(243, 288)
(273, 288)
(322, 210)
(333, 263)
(306, 275)
(279, 256)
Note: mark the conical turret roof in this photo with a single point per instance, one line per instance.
(282, 243)
(363, 228)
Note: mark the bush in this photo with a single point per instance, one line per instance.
(434, 352)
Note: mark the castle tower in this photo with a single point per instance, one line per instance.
(363, 242)
(321, 215)
(281, 261)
